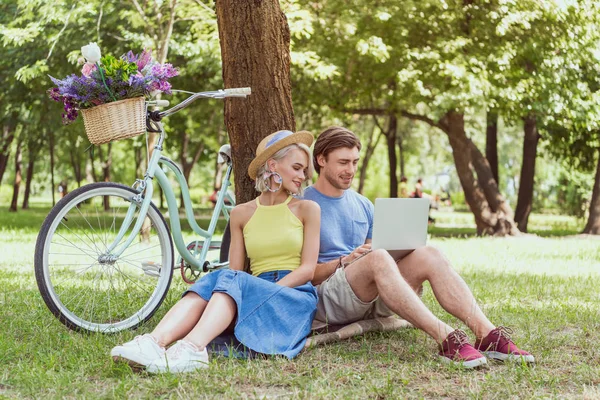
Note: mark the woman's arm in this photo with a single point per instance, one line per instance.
(311, 217)
(237, 248)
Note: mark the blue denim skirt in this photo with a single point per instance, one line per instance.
(271, 319)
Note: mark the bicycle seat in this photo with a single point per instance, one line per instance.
(224, 154)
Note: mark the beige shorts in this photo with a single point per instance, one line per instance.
(339, 305)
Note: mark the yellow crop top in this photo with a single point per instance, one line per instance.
(273, 237)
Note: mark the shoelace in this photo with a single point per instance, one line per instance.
(504, 332)
(178, 348)
(459, 337)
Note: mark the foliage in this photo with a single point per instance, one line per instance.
(112, 79)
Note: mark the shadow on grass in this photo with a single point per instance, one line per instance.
(33, 218)
(451, 232)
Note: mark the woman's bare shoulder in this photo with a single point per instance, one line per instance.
(306, 207)
(244, 211)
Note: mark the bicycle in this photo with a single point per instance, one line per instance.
(95, 271)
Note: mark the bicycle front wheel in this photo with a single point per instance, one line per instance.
(83, 285)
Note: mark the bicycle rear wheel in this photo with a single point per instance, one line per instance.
(83, 287)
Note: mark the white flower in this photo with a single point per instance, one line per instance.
(91, 52)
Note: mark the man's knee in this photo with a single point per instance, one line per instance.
(381, 262)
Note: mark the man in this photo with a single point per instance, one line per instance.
(356, 283)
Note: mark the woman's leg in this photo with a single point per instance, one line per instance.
(219, 314)
(180, 319)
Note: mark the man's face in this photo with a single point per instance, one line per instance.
(339, 167)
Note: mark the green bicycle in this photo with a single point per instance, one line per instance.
(104, 255)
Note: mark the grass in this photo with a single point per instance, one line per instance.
(543, 287)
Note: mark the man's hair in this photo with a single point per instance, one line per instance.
(333, 138)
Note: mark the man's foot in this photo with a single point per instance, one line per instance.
(498, 345)
(183, 356)
(457, 350)
(139, 352)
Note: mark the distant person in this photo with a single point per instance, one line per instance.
(214, 195)
(403, 188)
(62, 189)
(419, 194)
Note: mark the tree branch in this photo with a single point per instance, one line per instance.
(61, 31)
(423, 118)
(365, 111)
(144, 18)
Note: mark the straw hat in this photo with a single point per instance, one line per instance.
(275, 142)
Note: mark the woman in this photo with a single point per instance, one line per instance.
(272, 309)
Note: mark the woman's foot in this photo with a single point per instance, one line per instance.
(139, 352)
(183, 356)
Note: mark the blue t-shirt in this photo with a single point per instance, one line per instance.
(346, 222)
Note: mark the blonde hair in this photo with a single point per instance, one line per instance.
(261, 185)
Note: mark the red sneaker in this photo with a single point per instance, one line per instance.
(457, 350)
(498, 345)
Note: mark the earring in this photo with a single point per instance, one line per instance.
(276, 178)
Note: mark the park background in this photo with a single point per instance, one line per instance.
(496, 101)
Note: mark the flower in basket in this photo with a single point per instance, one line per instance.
(106, 79)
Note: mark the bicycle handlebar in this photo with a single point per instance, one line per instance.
(218, 94)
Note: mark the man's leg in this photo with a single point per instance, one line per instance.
(450, 290)
(376, 274)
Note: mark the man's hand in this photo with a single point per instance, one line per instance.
(356, 253)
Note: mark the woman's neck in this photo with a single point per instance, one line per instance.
(273, 198)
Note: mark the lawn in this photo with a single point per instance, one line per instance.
(545, 288)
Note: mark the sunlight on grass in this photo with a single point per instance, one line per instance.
(546, 289)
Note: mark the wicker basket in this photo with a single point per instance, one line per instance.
(115, 121)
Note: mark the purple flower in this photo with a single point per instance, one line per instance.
(144, 58)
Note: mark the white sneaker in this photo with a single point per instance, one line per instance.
(183, 356)
(139, 352)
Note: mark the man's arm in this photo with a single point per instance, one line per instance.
(325, 270)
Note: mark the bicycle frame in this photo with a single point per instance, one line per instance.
(145, 189)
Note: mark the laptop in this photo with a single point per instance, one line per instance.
(400, 225)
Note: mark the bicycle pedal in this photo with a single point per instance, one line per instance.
(151, 268)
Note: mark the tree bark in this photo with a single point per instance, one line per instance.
(106, 164)
(392, 130)
(593, 223)
(527, 180)
(493, 215)
(28, 179)
(255, 49)
(51, 146)
(491, 143)
(8, 135)
(370, 149)
(76, 164)
(18, 176)
(401, 155)
(187, 161)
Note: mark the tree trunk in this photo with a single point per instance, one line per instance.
(593, 223)
(491, 143)
(18, 176)
(255, 49)
(106, 164)
(370, 149)
(392, 130)
(493, 215)
(401, 154)
(527, 180)
(51, 146)
(187, 162)
(76, 164)
(8, 135)
(29, 178)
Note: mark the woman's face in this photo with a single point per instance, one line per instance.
(292, 168)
